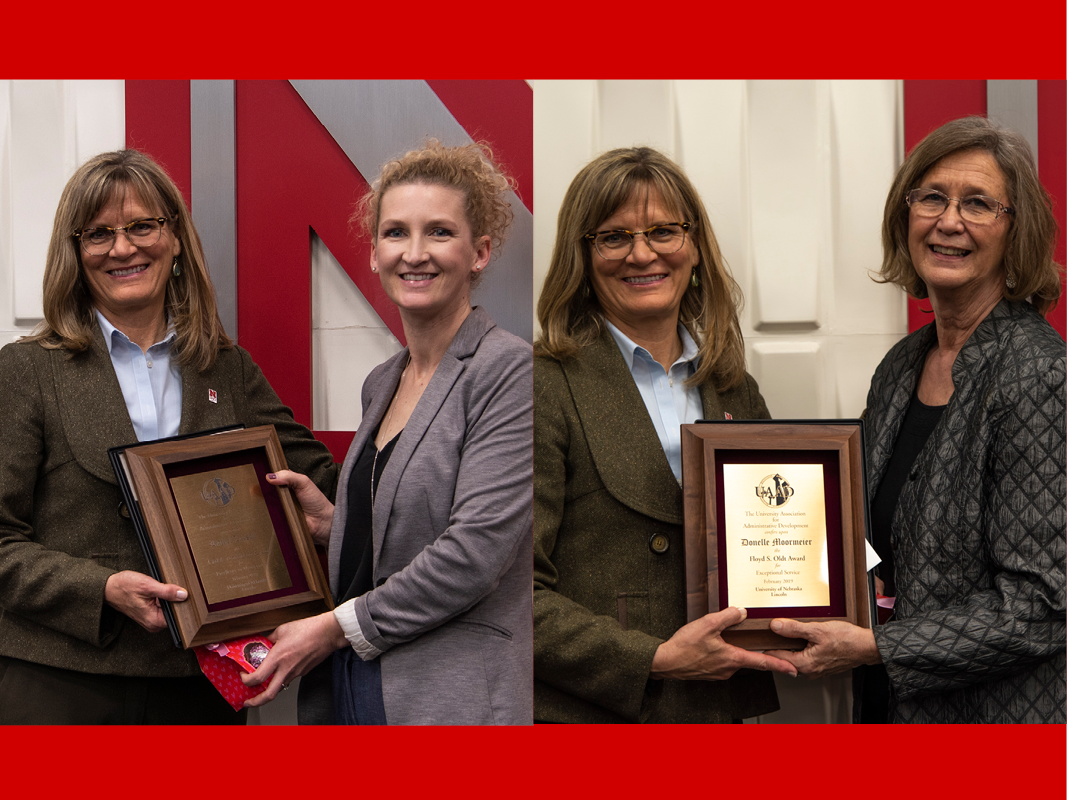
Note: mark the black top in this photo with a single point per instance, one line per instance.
(357, 550)
(919, 422)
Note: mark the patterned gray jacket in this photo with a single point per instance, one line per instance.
(979, 531)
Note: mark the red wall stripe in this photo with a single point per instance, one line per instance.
(928, 104)
(158, 123)
(1052, 164)
(502, 113)
(292, 176)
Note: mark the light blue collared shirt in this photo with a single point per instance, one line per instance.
(151, 382)
(669, 402)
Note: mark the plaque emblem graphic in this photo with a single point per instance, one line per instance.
(217, 492)
(774, 490)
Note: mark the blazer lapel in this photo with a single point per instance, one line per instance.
(709, 399)
(206, 404)
(91, 406)
(464, 344)
(901, 387)
(620, 433)
(372, 416)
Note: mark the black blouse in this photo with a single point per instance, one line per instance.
(355, 576)
(919, 422)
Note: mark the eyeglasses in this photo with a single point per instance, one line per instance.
(141, 233)
(977, 209)
(662, 239)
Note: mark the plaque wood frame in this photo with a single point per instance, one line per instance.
(701, 443)
(142, 472)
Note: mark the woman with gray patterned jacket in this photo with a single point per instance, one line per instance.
(965, 450)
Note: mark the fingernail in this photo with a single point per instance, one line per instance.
(182, 594)
(271, 475)
(776, 626)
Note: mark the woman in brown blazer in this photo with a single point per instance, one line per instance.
(639, 333)
(129, 323)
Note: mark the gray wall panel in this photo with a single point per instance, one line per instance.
(1015, 104)
(214, 188)
(374, 121)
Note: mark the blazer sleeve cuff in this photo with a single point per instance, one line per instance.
(345, 614)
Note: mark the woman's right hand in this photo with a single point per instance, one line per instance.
(697, 651)
(318, 510)
(137, 596)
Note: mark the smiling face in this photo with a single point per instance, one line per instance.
(424, 251)
(957, 258)
(129, 283)
(642, 293)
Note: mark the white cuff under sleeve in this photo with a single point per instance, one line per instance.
(345, 614)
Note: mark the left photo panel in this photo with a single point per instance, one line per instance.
(266, 377)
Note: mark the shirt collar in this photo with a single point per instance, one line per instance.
(110, 330)
(631, 349)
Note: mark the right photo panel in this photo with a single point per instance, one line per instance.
(803, 264)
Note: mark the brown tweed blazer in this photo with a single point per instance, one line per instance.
(62, 530)
(603, 601)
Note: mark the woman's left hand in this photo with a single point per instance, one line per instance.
(832, 646)
(298, 646)
(318, 510)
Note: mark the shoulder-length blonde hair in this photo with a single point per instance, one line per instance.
(1029, 257)
(470, 168)
(68, 306)
(569, 311)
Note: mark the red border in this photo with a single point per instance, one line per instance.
(818, 762)
(771, 40)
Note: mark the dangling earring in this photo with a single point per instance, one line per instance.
(175, 269)
(694, 280)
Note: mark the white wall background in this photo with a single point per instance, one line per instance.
(794, 175)
(47, 128)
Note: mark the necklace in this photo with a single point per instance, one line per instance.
(389, 416)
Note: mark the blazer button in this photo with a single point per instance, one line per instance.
(123, 511)
(659, 543)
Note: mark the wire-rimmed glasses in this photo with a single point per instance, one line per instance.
(975, 208)
(662, 239)
(140, 232)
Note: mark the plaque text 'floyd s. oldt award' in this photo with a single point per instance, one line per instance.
(776, 535)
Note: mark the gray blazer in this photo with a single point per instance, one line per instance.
(979, 530)
(453, 536)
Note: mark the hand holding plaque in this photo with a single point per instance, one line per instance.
(209, 521)
(775, 522)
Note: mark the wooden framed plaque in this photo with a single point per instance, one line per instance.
(210, 522)
(776, 522)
